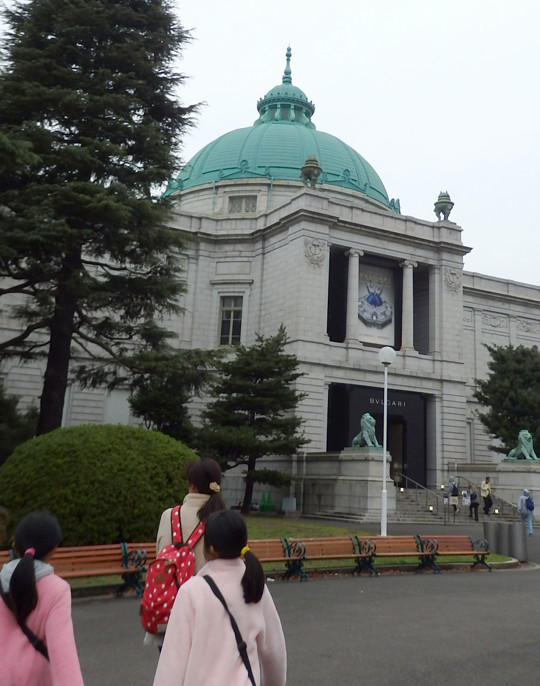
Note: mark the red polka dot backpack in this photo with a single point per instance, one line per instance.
(174, 565)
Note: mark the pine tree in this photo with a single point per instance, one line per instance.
(161, 392)
(253, 411)
(90, 125)
(511, 394)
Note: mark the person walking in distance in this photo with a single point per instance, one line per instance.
(525, 507)
(474, 502)
(485, 491)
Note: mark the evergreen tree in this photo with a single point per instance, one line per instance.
(252, 414)
(15, 427)
(511, 394)
(90, 126)
(161, 392)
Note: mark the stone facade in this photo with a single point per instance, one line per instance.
(298, 260)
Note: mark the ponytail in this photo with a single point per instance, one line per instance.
(23, 595)
(35, 537)
(253, 581)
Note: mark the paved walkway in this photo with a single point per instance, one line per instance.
(393, 629)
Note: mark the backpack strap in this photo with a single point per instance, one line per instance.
(176, 526)
(242, 648)
(176, 530)
(195, 535)
(38, 644)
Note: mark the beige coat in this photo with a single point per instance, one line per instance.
(189, 520)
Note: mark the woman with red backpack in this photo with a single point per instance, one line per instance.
(179, 546)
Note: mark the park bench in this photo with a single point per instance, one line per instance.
(303, 550)
(126, 560)
(459, 545)
(391, 548)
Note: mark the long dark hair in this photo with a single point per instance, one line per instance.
(205, 475)
(226, 532)
(37, 534)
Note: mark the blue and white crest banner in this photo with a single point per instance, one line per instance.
(376, 305)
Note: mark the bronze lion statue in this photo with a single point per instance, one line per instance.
(524, 449)
(366, 437)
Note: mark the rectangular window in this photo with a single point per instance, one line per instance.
(230, 320)
(243, 204)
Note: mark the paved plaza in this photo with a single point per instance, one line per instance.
(399, 628)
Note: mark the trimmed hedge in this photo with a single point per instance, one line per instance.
(103, 482)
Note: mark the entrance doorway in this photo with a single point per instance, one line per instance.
(406, 425)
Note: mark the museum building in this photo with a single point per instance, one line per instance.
(288, 224)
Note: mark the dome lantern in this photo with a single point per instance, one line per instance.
(286, 102)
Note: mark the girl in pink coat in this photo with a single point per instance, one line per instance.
(36, 631)
(200, 647)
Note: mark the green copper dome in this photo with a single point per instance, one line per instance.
(276, 147)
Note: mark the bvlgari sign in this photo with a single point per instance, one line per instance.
(376, 305)
(390, 403)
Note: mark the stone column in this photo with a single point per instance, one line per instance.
(351, 333)
(407, 325)
(434, 314)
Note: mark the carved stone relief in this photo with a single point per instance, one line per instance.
(315, 251)
(528, 326)
(452, 279)
(495, 321)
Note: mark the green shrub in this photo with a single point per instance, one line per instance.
(102, 482)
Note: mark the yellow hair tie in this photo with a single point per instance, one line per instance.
(244, 550)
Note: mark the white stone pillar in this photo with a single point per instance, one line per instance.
(407, 316)
(351, 333)
(434, 314)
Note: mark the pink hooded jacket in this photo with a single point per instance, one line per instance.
(21, 664)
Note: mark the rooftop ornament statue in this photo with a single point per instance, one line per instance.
(524, 449)
(443, 206)
(366, 438)
(311, 171)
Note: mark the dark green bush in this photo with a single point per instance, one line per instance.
(103, 483)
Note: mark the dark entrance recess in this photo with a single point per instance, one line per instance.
(406, 424)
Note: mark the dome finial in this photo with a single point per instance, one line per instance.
(287, 72)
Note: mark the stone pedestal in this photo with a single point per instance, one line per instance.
(348, 483)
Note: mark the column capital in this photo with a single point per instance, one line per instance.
(351, 252)
(408, 263)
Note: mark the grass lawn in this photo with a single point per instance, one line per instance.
(261, 526)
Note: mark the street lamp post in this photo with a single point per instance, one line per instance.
(386, 356)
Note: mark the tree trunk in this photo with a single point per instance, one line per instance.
(61, 333)
(248, 493)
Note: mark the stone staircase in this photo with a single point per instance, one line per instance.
(422, 506)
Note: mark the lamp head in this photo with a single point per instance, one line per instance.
(387, 355)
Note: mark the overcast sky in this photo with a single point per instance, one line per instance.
(434, 94)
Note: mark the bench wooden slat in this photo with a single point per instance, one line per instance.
(268, 549)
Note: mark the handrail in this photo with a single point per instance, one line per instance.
(423, 490)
